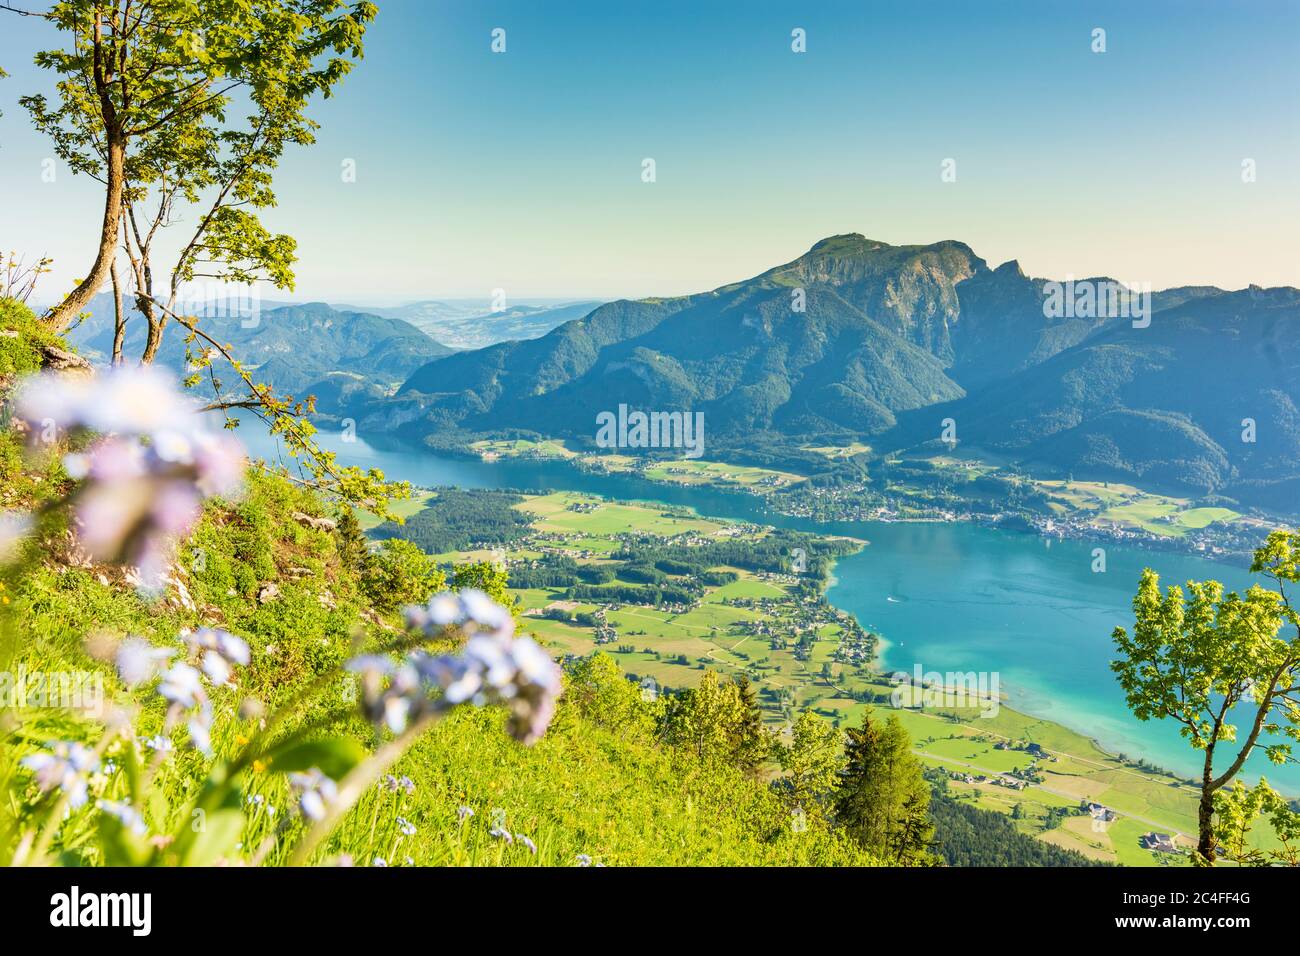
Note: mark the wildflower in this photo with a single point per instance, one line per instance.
(410, 862)
(484, 611)
(125, 814)
(464, 813)
(222, 653)
(66, 767)
(379, 861)
(501, 833)
(394, 784)
(144, 482)
(405, 826)
(139, 661)
(181, 686)
(200, 728)
(495, 668)
(315, 792)
(583, 860)
(469, 608)
(159, 744)
(532, 847)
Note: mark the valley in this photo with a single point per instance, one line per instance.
(753, 615)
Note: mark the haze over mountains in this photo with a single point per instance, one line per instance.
(475, 324)
(340, 354)
(890, 341)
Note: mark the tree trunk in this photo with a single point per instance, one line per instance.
(62, 314)
(119, 317)
(1205, 845)
(156, 322)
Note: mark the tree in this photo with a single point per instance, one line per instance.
(811, 762)
(752, 743)
(883, 800)
(489, 578)
(145, 91)
(604, 695)
(1194, 658)
(354, 551)
(705, 719)
(149, 103)
(400, 573)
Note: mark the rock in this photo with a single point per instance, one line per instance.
(320, 524)
(61, 360)
(268, 592)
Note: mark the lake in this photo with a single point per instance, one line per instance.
(949, 597)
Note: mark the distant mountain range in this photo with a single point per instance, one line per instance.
(858, 339)
(474, 324)
(339, 356)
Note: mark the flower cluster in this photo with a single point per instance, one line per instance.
(217, 652)
(66, 767)
(315, 792)
(145, 480)
(496, 667)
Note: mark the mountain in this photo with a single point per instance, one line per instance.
(472, 324)
(833, 343)
(859, 339)
(1165, 405)
(299, 349)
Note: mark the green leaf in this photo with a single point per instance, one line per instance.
(217, 836)
(335, 756)
(121, 846)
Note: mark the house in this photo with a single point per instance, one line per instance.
(1159, 842)
(1099, 812)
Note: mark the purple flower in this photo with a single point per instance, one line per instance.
(159, 744)
(181, 685)
(315, 792)
(138, 661)
(405, 826)
(146, 479)
(395, 783)
(501, 833)
(66, 767)
(464, 813)
(495, 668)
(222, 653)
(125, 814)
(529, 844)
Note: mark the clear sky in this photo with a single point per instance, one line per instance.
(522, 170)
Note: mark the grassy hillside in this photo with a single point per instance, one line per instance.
(601, 786)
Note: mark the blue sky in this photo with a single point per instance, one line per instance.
(522, 170)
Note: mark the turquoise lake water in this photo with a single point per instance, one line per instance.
(950, 597)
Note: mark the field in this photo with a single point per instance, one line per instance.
(1124, 506)
(684, 471)
(403, 509)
